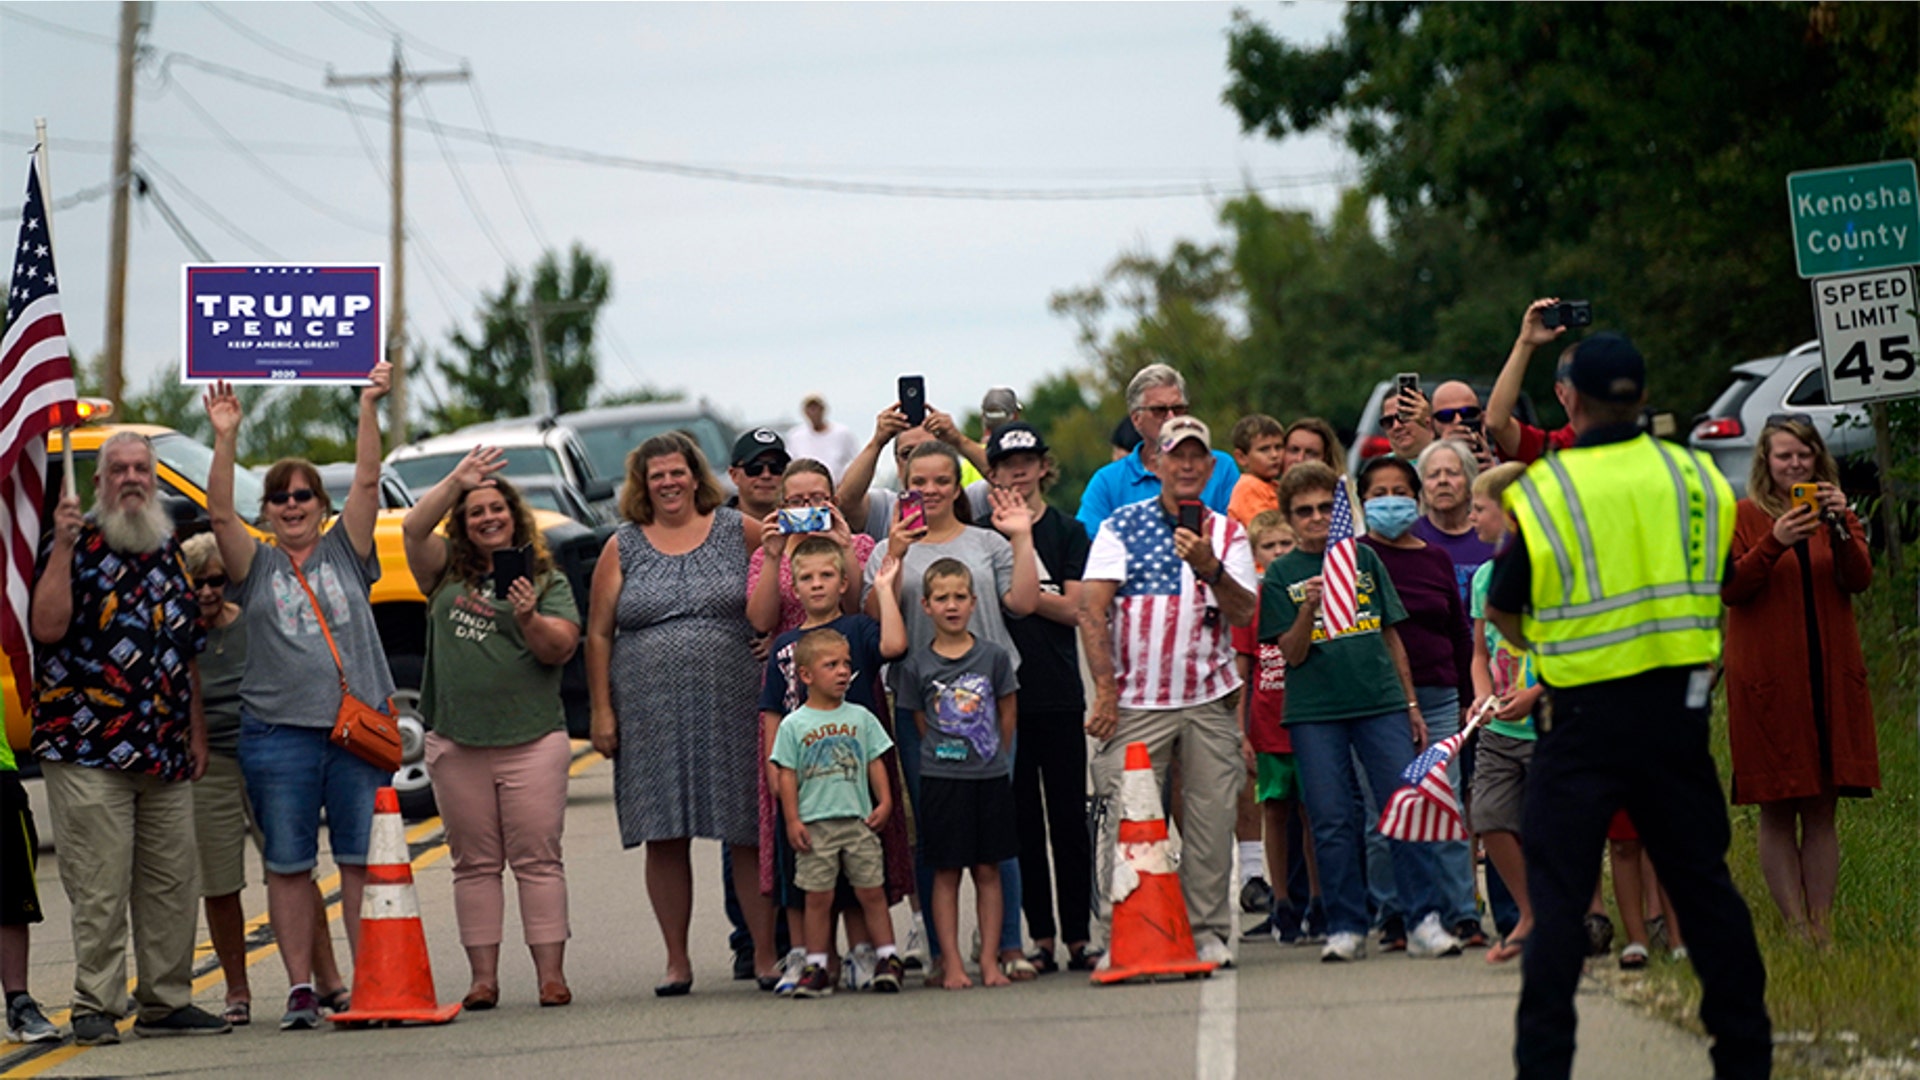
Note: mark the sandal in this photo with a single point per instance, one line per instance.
(1043, 961)
(336, 1000)
(1633, 957)
(1507, 949)
(1019, 969)
(1083, 958)
(238, 1013)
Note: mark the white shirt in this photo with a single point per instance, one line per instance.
(835, 447)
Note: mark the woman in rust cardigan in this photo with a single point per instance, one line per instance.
(1799, 715)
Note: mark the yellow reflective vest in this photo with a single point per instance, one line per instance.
(1627, 543)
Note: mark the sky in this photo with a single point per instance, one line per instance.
(746, 295)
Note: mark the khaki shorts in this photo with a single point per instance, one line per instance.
(839, 844)
(222, 822)
(1499, 782)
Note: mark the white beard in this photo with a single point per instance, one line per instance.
(136, 532)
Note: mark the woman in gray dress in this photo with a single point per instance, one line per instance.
(674, 687)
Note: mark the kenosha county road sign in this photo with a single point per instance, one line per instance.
(1855, 218)
(1868, 335)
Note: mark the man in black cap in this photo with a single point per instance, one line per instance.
(759, 458)
(1612, 580)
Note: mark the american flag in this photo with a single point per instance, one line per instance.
(36, 394)
(1168, 651)
(1338, 576)
(1426, 809)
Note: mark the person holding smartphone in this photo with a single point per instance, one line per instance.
(501, 622)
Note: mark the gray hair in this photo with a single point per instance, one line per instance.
(121, 438)
(1149, 377)
(200, 551)
(1460, 450)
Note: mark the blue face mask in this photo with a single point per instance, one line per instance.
(1390, 516)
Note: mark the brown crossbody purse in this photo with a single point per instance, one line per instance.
(368, 733)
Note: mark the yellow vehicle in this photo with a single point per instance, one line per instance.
(181, 465)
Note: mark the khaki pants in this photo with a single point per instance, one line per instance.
(126, 840)
(1207, 738)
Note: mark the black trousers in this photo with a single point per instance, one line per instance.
(1050, 797)
(1635, 743)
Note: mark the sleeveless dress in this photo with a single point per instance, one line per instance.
(685, 689)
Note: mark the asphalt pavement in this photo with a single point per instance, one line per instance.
(1282, 1013)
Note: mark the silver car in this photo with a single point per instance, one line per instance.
(1795, 383)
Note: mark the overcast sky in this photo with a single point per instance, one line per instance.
(748, 295)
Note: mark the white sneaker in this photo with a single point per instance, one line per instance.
(791, 966)
(1431, 939)
(1214, 951)
(916, 946)
(857, 968)
(1343, 948)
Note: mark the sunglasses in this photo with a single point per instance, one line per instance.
(1324, 509)
(1465, 414)
(303, 496)
(1392, 420)
(1780, 418)
(760, 468)
(211, 581)
(1161, 412)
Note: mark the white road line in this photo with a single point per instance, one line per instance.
(1215, 1051)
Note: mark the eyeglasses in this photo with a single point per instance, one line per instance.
(303, 496)
(1324, 509)
(1780, 418)
(1161, 412)
(795, 502)
(211, 581)
(760, 468)
(1465, 414)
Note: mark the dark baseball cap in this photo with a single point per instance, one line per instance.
(758, 443)
(1015, 438)
(1607, 367)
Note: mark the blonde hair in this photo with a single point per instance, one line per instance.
(1266, 523)
(816, 546)
(814, 642)
(1760, 477)
(199, 552)
(1495, 481)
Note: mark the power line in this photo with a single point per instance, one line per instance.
(398, 31)
(200, 204)
(506, 167)
(351, 20)
(460, 182)
(172, 219)
(82, 35)
(262, 40)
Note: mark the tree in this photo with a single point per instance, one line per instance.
(488, 373)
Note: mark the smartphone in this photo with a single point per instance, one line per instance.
(1405, 381)
(913, 512)
(510, 565)
(805, 519)
(1567, 313)
(913, 398)
(1806, 495)
(1190, 516)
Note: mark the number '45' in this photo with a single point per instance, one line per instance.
(1894, 356)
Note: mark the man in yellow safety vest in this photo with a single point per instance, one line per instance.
(1613, 580)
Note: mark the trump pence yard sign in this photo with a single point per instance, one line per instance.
(281, 322)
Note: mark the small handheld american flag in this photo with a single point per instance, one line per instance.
(1339, 574)
(1426, 809)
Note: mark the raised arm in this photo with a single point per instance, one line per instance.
(1296, 642)
(1501, 425)
(763, 580)
(1014, 520)
(229, 530)
(426, 552)
(942, 427)
(851, 494)
(893, 624)
(363, 499)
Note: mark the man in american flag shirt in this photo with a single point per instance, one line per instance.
(1157, 605)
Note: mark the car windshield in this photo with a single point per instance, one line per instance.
(193, 462)
(608, 442)
(421, 473)
(544, 498)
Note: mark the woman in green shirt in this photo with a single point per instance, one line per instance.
(498, 751)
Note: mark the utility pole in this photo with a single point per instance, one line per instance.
(134, 18)
(396, 80)
(540, 396)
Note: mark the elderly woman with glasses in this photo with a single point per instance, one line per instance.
(1799, 716)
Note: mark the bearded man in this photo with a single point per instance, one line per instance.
(119, 733)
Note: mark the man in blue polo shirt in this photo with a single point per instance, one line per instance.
(1156, 393)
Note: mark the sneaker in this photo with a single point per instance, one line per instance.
(95, 1029)
(814, 983)
(1470, 933)
(303, 1011)
(1264, 930)
(1214, 951)
(743, 962)
(857, 968)
(887, 973)
(1256, 895)
(1344, 948)
(914, 952)
(1393, 933)
(1315, 924)
(1430, 939)
(27, 1024)
(791, 966)
(1286, 927)
(186, 1020)
(1599, 934)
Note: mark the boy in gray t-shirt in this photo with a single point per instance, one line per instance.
(961, 689)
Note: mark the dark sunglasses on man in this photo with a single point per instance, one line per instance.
(761, 468)
(1465, 414)
(303, 496)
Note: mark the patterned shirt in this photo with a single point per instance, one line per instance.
(116, 692)
(1171, 644)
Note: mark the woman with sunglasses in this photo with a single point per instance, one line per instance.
(1799, 717)
(290, 692)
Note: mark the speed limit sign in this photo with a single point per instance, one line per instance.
(1869, 335)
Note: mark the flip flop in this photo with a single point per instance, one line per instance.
(1506, 950)
(238, 1013)
(1633, 957)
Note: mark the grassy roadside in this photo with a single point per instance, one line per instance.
(1854, 1010)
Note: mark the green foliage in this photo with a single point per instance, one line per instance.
(313, 422)
(644, 395)
(488, 373)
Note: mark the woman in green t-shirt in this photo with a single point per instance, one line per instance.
(498, 751)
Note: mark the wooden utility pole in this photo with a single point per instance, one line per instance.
(133, 21)
(540, 396)
(395, 81)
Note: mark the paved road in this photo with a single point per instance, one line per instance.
(1281, 1014)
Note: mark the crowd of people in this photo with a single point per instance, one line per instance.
(869, 695)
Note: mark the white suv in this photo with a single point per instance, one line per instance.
(530, 447)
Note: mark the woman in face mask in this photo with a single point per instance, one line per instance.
(1439, 644)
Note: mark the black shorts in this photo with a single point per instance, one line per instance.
(19, 845)
(966, 823)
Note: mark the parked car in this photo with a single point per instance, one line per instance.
(1792, 383)
(611, 432)
(337, 477)
(531, 448)
(556, 494)
(1370, 440)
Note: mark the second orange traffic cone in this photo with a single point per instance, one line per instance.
(392, 977)
(1151, 935)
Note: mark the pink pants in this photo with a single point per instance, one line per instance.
(504, 806)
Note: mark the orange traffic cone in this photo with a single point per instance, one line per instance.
(1151, 935)
(392, 978)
